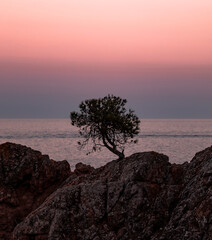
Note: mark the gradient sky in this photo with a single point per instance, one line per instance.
(155, 53)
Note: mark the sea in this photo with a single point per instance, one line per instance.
(179, 139)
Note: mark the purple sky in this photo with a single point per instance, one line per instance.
(156, 54)
(52, 91)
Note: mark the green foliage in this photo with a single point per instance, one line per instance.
(105, 122)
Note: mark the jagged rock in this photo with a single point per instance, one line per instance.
(192, 217)
(81, 169)
(140, 197)
(27, 178)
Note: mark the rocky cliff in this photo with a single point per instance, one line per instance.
(140, 197)
(26, 179)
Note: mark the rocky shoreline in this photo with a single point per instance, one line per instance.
(140, 197)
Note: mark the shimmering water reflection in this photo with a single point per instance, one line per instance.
(179, 139)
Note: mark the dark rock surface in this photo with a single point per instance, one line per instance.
(192, 216)
(140, 197)
(27, 178)
(81, 169)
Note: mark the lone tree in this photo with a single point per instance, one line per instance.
(105, 122)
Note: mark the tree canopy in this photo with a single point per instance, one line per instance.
(105, 122)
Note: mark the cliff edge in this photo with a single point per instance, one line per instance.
(27, 178)
(140, 197)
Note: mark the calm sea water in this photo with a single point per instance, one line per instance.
(179, 139)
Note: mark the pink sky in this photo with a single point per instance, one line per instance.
(155, 53)
(141, 31)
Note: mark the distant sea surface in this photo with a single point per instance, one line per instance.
(179, 139)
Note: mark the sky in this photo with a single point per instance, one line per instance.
(155, 53)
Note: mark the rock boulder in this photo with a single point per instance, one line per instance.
(27, 178)
(140, 197)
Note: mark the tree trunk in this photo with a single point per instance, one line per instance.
(113, 149)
